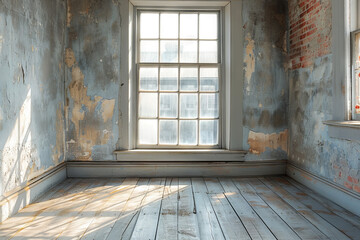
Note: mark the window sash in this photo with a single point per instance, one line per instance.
(178, 64)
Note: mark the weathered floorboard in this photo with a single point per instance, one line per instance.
(145, 227)
(167, 227)
(326, 218)
(252, 222)
(208, 223)
(187, 220)
(278, 227)
(229, 221)
(183, 209)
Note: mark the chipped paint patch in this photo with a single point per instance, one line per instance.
(259, 142)
(68, 14)
(69, 57)
(108, 109)
(88, 115)
(58, 149)
(249, 60)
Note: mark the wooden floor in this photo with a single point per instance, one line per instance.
(182, 208)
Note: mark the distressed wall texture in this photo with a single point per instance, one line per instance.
(31, 89)
(311, 80)
(92, 85)
(265, 103)
(92, 79)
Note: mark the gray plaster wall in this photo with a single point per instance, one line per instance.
(265, 103)
(311, 103)
(93, 77)
(32, 34)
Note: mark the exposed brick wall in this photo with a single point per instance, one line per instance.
(310, 31)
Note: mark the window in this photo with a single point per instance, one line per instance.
(230, 95)
(355, 53)
(356, 74)
(178, 79)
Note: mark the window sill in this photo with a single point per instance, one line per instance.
(348, 130)
(198, 155)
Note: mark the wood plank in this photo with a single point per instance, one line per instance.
(229, 221)
(342, 212)
(330, 218)
(208, 223)
(77, 227)
(320, 223)
(147, 222)
(252, 222)
(130, 211)
(297, 222)
(277, 226)
(187, 221)
(52, 221)
(28, 214)
(167, 227)
(103, 223)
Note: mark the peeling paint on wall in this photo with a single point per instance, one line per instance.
(69, 57)
(88, 136)
(68, 14)
(311, 99)
(93, 74)
(58, 149)
(31, 89)
(260, 142)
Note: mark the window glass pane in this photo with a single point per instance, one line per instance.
(209, 79)
(168, 79)
(168, 132)
(208, 52)
(188, 25)
(149, 25)
(208, 132)
(148, 78)
(168, 105)
(169, 25)
(188, 105)
(149, 51)
(148, 129)
(209, 105)
(148, 104)
(188, 132)
(188, 51)
(208, 25)
(188, 79)
(168, 51)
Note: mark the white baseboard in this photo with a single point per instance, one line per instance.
(88, 169)
(24, 195)
(336, 193)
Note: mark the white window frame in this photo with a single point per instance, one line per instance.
(232, 118)
(343, 124)
(355, 29)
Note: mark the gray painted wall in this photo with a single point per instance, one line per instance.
(265, 103)
(311, 103)
(31, 89)
(93, 77)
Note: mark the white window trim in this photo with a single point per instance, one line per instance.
(232, 129)
(343, 23)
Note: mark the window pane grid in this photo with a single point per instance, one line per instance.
(173, 128)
